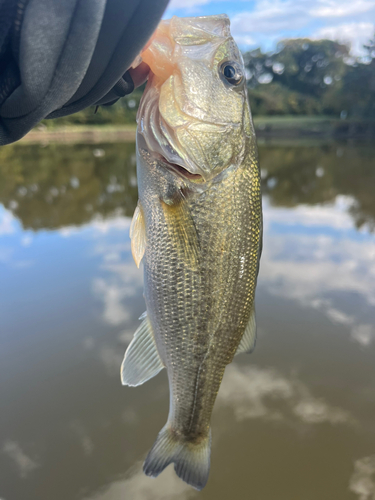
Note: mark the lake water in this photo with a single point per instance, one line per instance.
(295, 420)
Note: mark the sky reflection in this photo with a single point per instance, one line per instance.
(252, 392)
(315, 256)
(296, 417)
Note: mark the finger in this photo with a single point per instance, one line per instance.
(139, 74)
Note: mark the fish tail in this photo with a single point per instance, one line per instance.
(191, 459)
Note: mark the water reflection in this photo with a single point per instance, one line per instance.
(294, 420)
(56, 186)
(61, 185)
(24, 464)
(314, 256)
(318, 174)
(362, 482)
(252, 392)
(139, 487)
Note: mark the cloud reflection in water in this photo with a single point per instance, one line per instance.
(314, 255)
(362, 482)
(252, 392)
(140, 487)
(23, 462)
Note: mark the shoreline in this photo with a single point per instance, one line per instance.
(266, 127)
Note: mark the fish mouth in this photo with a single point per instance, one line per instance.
(161, 141)
(181, 171)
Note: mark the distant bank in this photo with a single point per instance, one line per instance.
(288, 127)
(313, 127)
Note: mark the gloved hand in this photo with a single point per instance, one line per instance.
(59, 57)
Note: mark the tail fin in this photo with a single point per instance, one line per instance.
(191, 460)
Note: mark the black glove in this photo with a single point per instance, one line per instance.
(58, 57)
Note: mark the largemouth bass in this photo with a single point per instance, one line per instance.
(198, 229)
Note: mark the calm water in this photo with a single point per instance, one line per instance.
(295, 420)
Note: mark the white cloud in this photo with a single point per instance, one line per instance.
(122, 279)
(337, 316)
(26, 240)
(112, 252)
(270, 20)
(119, 281)
(333, 215)
(7, 222)
(23, 462)
(186, 4)
(112, 295)
(125, 281)
(98, 225)
(244, 40)
(356, 34)
(363, 334)
(341, 8)
(141, 487)
(252, 392)
(84, 438)
(362, 482)
(106, 225)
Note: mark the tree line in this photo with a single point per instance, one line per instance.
(301, 77)
(312, 77)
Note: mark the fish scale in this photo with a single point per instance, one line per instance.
(198, 229)
(183, 323)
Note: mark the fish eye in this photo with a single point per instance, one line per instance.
(232, 72)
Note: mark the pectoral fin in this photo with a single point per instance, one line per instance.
(138, 234)
(142, 360)
(248, 340)
(182, 230)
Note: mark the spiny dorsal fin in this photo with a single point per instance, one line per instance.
(138, 234)
(142, 360)
(249, 337)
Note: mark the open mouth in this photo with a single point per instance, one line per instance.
(182, 171)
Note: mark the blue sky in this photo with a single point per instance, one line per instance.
(263, 22)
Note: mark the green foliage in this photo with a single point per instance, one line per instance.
(357, 94)
(276, 99)
(312, 77)
(302, 77)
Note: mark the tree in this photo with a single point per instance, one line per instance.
(312, 77)
(357, 94)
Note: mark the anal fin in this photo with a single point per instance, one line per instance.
(142, 360)
(249, 337)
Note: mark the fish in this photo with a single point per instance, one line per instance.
(198, 230)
